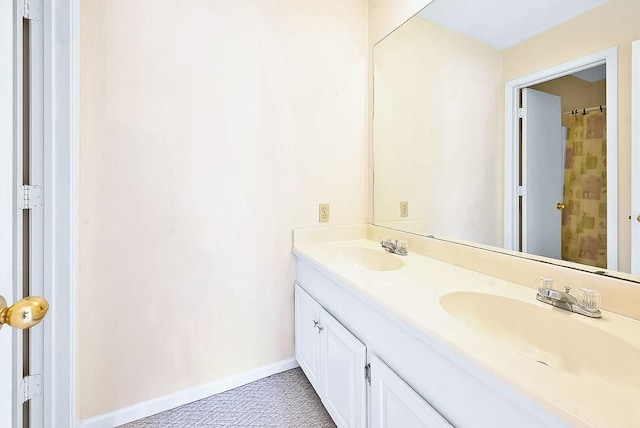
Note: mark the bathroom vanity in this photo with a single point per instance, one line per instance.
(391, 341)
(335, 362)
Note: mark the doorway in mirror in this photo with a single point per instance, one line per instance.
(561, 154)
(564, 158)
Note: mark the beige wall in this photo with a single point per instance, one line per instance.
(436, 133)
(383, 17)
(575, 93)
(613, 24)
(209, 130)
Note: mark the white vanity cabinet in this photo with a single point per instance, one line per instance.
(396, 404)
(307, 336)
(335, 363)
(333, 359)
(437, 377)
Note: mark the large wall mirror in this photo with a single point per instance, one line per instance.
(510, 128)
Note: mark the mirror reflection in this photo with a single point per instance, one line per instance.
(439, 128)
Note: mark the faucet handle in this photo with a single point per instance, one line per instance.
(567, 289)
(401, 248)
(544, 284)
(388, 245)
(589, 299)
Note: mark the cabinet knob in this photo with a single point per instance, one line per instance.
(320, 328)
(315, 323)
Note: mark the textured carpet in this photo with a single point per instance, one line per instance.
(283, 400)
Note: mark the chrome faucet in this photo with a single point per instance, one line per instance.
(564, 300)
(396, 247)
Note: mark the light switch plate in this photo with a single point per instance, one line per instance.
(404, 209)
(323, 213)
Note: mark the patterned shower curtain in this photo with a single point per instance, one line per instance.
(584, 219)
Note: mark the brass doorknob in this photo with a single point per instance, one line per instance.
(25, 313)
(560, 206)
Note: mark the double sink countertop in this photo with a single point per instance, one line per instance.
(585, 371)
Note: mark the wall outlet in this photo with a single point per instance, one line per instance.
(323, 213)
(404, 209)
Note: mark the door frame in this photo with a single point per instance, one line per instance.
(635, 157)
(512, 152)
(61, 131)
(10, 361)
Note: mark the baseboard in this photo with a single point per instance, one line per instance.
(160, 404)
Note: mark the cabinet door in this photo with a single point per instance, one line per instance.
(395, 405)
(344, 385)
(307, 337)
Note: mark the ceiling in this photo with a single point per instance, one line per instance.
(593, 74)
(504, 23)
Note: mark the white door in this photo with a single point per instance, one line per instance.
(394, 404)
(21, 231)
(6, 199)
(542, 173)
(307, 336)
(344, 387)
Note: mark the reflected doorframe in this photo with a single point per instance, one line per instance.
(512, 188)
(635, 157)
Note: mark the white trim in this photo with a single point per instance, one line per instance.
(512, 88)
(18, 224)
(612, 159)
(635, 157)
(511, 182)
(37, 358)
(9, 358)
(166, 402)
(61, 68)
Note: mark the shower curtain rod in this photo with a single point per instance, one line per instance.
(585, 110)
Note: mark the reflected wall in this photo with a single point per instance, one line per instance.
(437, 137)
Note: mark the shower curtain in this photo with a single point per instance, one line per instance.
(584, 218)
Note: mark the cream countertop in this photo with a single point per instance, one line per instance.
(413, 294)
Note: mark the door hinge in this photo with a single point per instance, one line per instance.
(520, 191)
(521, 112)
(29, 197)
(31, 9)
(31, 387)
(367, 373)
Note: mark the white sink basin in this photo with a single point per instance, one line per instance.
(550, 336)
(367, 258)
